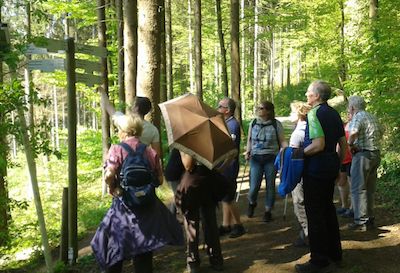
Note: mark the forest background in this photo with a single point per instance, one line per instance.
(252, 50)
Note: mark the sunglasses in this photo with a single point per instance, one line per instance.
(221, 106)
(260, 108)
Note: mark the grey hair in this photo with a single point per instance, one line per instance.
(322, 88)
(231, 104)
(356, 102)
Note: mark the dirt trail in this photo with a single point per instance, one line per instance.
(267, 247)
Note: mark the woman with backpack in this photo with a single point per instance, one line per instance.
(265, 138)
(132, 230)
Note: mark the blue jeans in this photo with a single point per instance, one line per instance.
(261, 165)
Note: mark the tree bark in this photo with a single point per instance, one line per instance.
(130, 50)
(256, 57)
(163, 62)
(342, 60)
(149, 56)
(120, 37)
(168, 45)
(190, 38)
(235, 58)
(197, 49)
(222, 48)
(105, 118)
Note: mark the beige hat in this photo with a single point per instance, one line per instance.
(131, 124)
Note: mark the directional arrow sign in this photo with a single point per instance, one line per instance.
(52, 45)
(91, 50)
(89, 79)
(46, 65)
(88, 66)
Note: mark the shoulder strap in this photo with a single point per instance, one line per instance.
(127, 148)
(276, 132)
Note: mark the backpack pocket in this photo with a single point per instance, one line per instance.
(139, 196)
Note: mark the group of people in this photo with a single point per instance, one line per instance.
(135, 233)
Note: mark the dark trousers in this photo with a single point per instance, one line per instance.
(323, 227)
(143, 263)
(211, 236)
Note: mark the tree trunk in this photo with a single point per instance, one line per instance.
(105, 118)
(120, 37)
(190, 46)
(4, 201)
(197, 48)
(222, 48)
(168, 46)
(149, 56)
(163, 57)
(243, 61)
(272, 64)
(130, 50)
(256, 57)
(342, 60)
(55, 105)
(235, 58)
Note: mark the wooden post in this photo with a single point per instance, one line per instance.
(72, 160)
(35, 188)
(64, 227)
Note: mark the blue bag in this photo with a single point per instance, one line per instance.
(136, 178)
(290, 164)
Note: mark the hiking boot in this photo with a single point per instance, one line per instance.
(237, 231)
(250, 210)
(267, 216)
(357, 227)
(348, 214)
(312, 268)
(223, 230)
(341, 211)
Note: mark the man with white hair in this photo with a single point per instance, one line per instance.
(364, 141)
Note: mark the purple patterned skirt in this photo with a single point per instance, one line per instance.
(124, 234)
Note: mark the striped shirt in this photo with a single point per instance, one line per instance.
(368, 129)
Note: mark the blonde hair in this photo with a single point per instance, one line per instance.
(131, 124)
(301, 108)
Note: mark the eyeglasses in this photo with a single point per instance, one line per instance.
(221, 106)
(260, 108)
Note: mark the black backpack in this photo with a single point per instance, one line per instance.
(137, 179)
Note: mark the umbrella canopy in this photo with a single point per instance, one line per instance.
(198, 130)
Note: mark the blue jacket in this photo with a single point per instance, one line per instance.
(289, 163)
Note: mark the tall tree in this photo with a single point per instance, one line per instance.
(163, 62)
(190, 46)
(256, 89)
(222, 49)
(120, 37)
(168, 46)
(4, 202)
(235, 57)
(149, 56)
(130, 52)
(342, 59)
(105, 118)
(197, 49)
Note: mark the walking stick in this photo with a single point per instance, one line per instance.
(240, 187)
(285, 207)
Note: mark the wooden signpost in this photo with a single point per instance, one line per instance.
(44, 46)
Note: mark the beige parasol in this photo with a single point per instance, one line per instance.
(197, 129)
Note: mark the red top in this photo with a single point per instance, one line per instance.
(117, 154)
(347, 157)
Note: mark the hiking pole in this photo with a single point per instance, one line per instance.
(285, 207)
(240, 187)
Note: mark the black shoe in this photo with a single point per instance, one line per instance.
(341, 210)
(357, 227)
(237, 231)
(217, 267)
(224, 230)
(193, 268)
(267, 216)
(300, 242)
(250, 210)
(312, 268)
